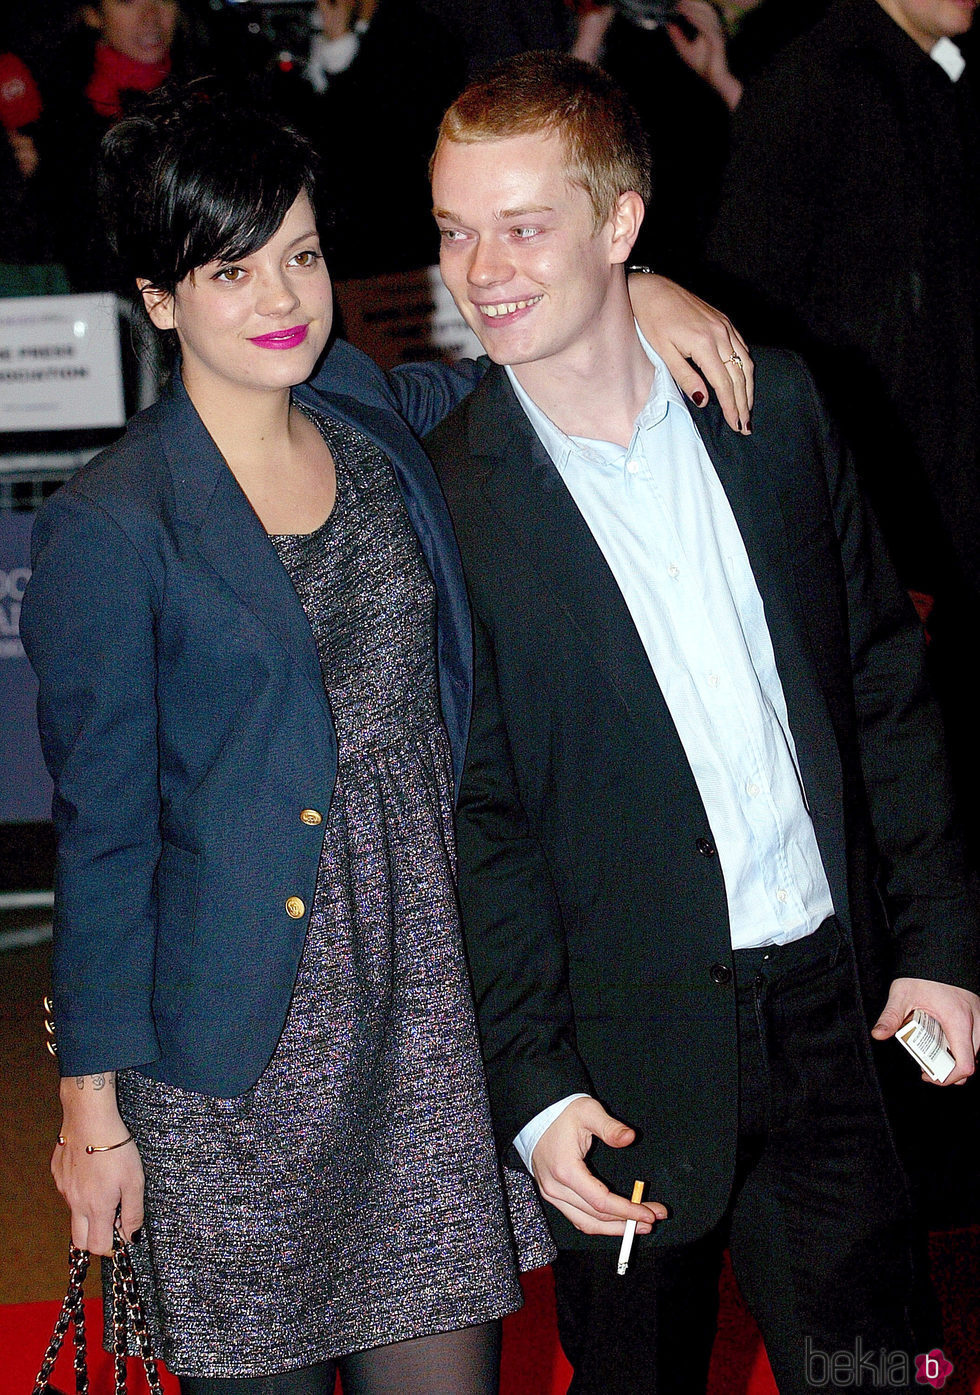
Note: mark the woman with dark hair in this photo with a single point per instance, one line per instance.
(250, 628)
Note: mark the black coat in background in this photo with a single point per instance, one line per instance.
(687, 125)
(593, 902)
(374, 129)
(849, 224)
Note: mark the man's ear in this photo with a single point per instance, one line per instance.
(91, 17)
(624, 225)
(159, 304)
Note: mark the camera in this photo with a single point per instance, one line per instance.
(648, 14)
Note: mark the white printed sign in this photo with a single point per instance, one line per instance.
(60, 367)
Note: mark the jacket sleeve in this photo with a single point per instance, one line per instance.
(421, 393)
(428, 392)
(88, 628)
(900, 739)
(514, 932)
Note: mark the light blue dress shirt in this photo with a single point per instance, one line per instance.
(662, 520)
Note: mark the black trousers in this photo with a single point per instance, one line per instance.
(818, 1224)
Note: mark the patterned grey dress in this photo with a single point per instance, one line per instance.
(352, 1197)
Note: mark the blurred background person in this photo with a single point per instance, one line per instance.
(684, 63)
(25, 243)
(116, 52)
(369, 93)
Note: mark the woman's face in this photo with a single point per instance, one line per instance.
(258, 323)
(139, 29)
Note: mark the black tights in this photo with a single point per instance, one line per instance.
(465, 1362)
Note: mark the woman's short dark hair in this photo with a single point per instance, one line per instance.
(196, 177)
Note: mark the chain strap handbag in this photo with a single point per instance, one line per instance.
(127, 1320)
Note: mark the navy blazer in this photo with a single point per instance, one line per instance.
(184, 721)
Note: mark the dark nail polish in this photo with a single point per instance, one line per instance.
(698, 399)
(740, 423)
(137, 1236)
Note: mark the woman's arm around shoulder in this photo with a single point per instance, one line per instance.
(681, 327)
(422, 394)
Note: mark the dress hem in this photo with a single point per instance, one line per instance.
(314, 1357)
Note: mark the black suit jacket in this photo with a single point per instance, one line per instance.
(593, 901)
(850, 227)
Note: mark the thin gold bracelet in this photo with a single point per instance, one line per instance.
(105, 1148)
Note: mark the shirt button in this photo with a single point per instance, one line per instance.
(311, 817)
(295, 908)
(720, 974)
(673, 570)
(633, 466)
(713, 680)
(705, 847)
(751, 788)
(782, 895)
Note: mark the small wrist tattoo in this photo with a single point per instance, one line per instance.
(99, 1082)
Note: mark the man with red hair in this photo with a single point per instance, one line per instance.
(700, 743)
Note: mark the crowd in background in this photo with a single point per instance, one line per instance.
(367, 80)
(814, 173)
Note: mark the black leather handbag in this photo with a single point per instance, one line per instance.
(128, 1323)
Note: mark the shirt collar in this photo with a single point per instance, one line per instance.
(560, 446)
(947, 55)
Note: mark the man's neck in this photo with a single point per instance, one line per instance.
(598, 387)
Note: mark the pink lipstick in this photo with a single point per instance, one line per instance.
(282, 338)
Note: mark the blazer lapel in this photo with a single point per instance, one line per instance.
(764, 512)
(229, 535)
(532, 503)
(762, 500)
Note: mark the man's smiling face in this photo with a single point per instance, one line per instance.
(520, 251)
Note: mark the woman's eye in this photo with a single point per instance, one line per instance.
(306, 258)
(229, 273)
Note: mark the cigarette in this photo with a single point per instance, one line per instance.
(625, 1248)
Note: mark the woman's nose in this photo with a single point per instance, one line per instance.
(276, 296)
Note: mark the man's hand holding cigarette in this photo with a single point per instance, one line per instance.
(558, 1164)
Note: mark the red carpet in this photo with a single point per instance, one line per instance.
(533, 1363)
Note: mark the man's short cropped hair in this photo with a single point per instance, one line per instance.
(607, 148)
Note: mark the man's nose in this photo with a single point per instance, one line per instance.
(489, 264)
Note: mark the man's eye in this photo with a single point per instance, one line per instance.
(525, 233)
(450, 234)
